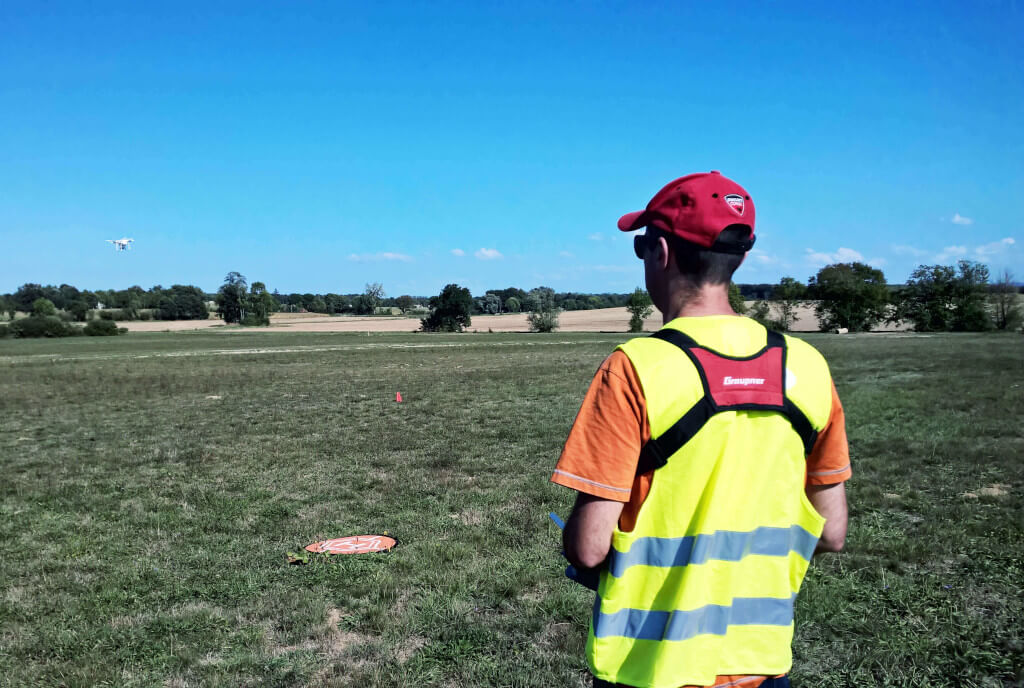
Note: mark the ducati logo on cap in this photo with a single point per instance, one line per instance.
(735, 201)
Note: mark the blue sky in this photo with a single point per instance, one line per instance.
(317, 146)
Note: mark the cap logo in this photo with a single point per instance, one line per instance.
(735, 202)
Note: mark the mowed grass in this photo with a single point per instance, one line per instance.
(152, 484)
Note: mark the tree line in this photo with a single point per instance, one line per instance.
(187, 302)
(855, 297)
(852, 296)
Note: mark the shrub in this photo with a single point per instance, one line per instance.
(42, 307)
(639, 307)
(546, 321)
(255, 320)
(4, 331)
(102, 328)
(79, 310)
(543, 315)
(450, 310)
(42, 326)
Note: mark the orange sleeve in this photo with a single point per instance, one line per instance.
(603, 447)
(829, 460)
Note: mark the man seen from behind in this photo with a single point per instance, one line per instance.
(709, 460)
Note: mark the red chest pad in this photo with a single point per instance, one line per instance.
(753, 382)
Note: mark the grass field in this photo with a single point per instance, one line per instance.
(152, 484)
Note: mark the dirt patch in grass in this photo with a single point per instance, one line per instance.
(338, 641)
(409, 647)
(994, 490)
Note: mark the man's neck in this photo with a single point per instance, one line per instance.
(707, 300)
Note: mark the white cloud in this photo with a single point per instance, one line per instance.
(458, 252)
(959, 219)
(902, 250)
(596, 236)
(763, 258)
(843, 255)
(566, 254)
(951, 252)
(995, 248)
(374, 257)
(488, 254)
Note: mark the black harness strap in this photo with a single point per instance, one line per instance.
(657, 451)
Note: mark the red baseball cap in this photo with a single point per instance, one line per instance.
(697, 208)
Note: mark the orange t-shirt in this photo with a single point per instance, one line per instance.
(601, 454)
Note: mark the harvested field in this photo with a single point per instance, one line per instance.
(600, 320)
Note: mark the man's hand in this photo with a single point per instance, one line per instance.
(588, 532)
(830, 502)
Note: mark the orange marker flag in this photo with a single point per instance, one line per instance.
(398, 397)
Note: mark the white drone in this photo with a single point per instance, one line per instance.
(121, 244)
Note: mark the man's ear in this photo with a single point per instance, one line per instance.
(662, 254)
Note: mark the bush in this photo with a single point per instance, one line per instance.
(639, 307)
(4, 331)
(102, 328)
(543, 315)
(79, 310)
(449, 310)
(42, 326)
(43, 307)
(546, 321)
(255, 320)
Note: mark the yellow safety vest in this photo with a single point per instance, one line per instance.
(705, 582)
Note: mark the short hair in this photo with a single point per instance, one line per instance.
(699, 265)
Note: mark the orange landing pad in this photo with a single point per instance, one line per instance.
(354, 544)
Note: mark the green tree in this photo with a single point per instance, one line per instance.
(850, 295)
(639, 307)
(261, 305)
(492, 304)
(42, 307)
(969, 297)
(450, 310)
(736, 299)
(927, 298)
(941, 298)
(79, 309)
(512, 304)
(231, 298)
(789, 294)
(374, 293)
(405, 302)
(26, 295)
(543, 315)
(1006, 308)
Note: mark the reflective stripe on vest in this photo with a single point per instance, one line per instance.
(705, 582)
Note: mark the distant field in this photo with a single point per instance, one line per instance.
(153, 483)
(599, 320)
